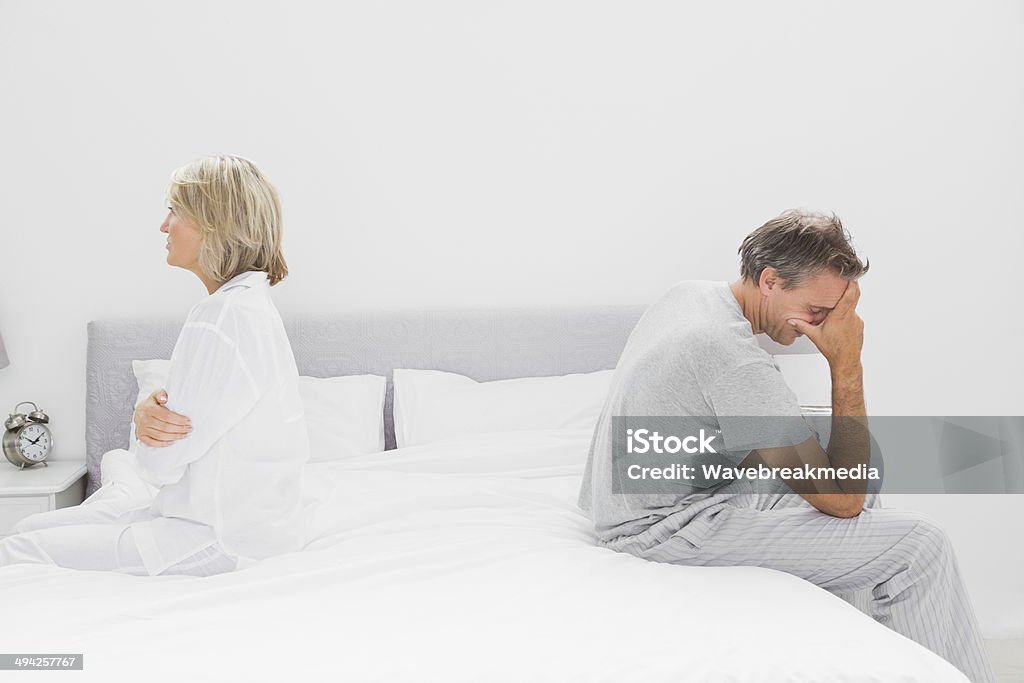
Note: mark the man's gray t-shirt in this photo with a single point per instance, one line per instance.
(692, 354)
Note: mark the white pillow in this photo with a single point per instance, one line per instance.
(344, 415)
(432, 405)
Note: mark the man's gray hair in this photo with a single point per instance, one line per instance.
(800, 244)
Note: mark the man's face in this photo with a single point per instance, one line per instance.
(811, 301)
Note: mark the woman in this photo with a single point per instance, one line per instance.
(229, 476)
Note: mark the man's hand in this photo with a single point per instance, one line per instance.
(156, 425)
(841, 336)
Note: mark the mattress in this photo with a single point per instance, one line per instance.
(462, 560)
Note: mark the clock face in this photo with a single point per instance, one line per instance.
(34, 442)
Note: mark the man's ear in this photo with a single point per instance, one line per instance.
(769, 280)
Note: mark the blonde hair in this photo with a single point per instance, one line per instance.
(238, 214)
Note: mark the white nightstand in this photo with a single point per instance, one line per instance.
(35, 489)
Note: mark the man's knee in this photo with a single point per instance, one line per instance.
(935, 534)
(926, 534)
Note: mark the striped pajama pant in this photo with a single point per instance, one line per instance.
(897, 566)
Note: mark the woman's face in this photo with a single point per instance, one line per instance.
(183, 240)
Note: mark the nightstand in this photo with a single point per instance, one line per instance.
(25, 492)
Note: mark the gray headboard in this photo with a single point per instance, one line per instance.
(482, 344)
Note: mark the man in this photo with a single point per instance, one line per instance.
(694, 354)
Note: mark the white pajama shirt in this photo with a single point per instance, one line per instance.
(237, 479)
(223, 497)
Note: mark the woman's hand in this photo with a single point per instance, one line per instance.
(156, 425)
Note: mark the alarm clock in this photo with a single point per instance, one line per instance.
(27, 440)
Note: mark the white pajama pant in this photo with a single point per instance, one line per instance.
(97, 535)
(897, 566)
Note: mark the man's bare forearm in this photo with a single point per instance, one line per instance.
(849, 444)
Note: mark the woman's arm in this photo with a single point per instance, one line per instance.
(211, 380)
(157, 426)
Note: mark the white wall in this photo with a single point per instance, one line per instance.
(453, 154)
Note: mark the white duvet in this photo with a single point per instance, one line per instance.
(461, 560)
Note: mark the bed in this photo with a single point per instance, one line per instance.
(465, 559)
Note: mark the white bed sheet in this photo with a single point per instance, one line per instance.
(462, 560)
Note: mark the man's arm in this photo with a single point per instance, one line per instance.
(840, 339)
